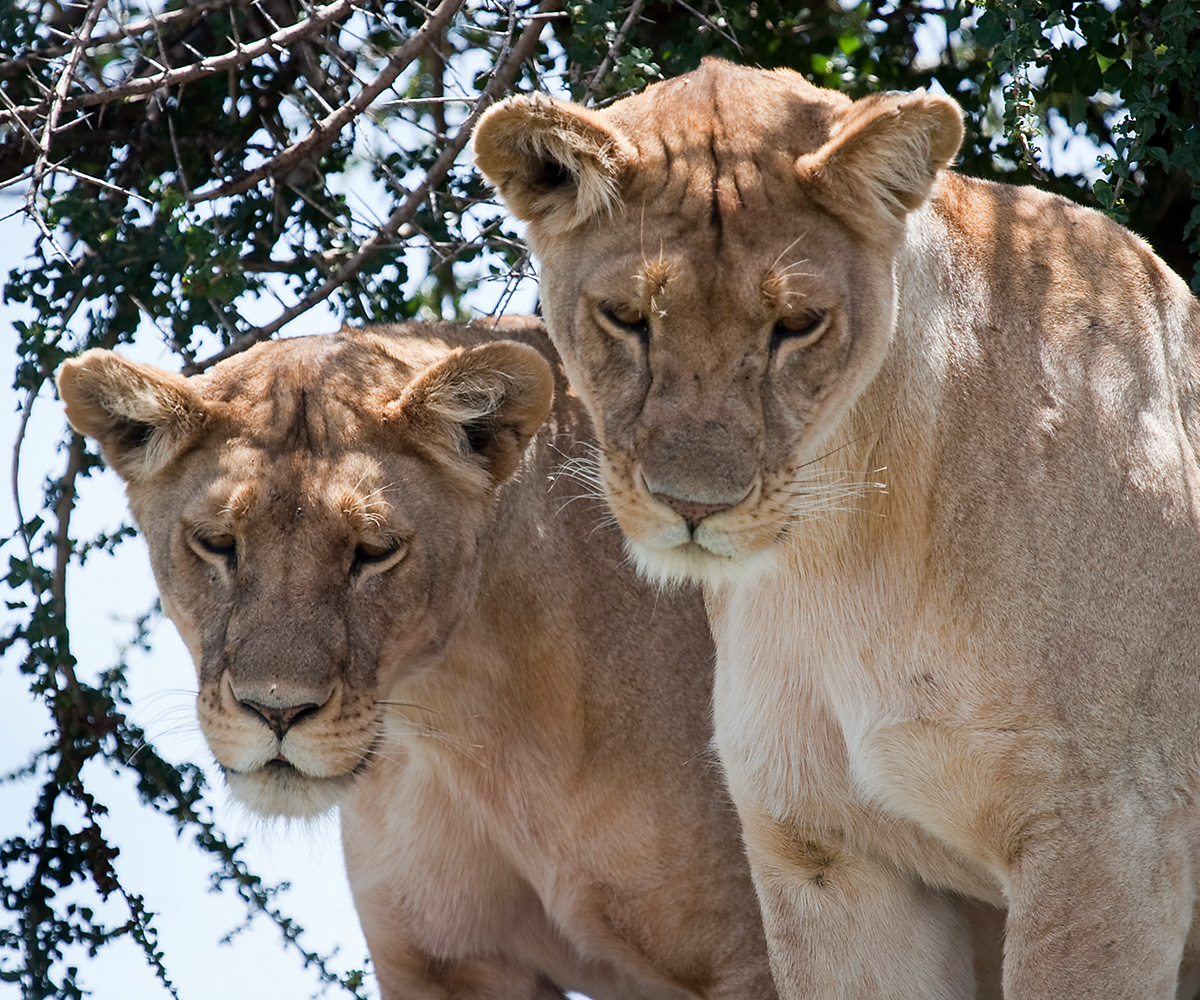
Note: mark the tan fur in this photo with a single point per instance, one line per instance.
(931, 445)
(514, 727)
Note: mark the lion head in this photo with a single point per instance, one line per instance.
(717, 258)
(312, 509)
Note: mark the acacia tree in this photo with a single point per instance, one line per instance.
(192, 165)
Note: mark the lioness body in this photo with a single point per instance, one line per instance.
(931, 443)
(515, 728)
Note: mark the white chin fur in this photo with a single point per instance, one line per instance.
(283, 791)
(691, 563)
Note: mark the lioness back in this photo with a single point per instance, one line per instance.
(931, 444)
(387, 554)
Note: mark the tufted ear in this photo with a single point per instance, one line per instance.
(555, 164)
(486, 402)
(882, 161)
(141, 416)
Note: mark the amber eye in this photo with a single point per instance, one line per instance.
(804, 327)
(219, 546)
(628, 319)
(378, 555)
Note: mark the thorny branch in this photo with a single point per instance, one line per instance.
(167, 19)
(505, 73)
(56, 108)
(65, 115)
(240, 56)
(327, 130)
(635, 11)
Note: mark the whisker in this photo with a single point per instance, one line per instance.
(406, 704)
(775, 262)
(398, 727)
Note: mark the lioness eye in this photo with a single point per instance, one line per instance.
(629, 318)
(801, 326)
(382, 553)
(221, 546)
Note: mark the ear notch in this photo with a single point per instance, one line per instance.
(142, 416)
(486, 402)
(883, 160)
(555, 164)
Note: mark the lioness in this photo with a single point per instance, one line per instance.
(514, 726)
(931, 445)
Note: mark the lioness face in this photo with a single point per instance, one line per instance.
(305, 582)
(716, 377)
(311, 510)
(716, 271)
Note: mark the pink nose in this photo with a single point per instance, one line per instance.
(280, 719)
(693, 513)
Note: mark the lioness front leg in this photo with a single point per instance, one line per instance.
(1099, 908)
(840, 925)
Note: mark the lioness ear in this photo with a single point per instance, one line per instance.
(555, 164)
(491, 399)
(141, 416)
(882, 161)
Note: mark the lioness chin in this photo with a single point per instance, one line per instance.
(514, 726)
(931, 445)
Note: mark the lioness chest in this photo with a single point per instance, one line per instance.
(850, 702)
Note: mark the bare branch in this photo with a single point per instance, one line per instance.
(186, 15)
(716, 27)
(503, 77)
(326, 131)
(62, 533)
(22, 529)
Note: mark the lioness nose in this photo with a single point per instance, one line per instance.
(281, 719)
(693, 513)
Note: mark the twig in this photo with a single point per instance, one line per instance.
(62, 538)
(701, 16)
(22, 530)
(635, 11)
(21, 124)
(59, 168)
(326, 131)
(503, 77)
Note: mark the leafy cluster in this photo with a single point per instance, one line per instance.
(203, 173)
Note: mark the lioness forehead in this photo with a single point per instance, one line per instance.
(722, 132)
(317, 394)
(296, 429)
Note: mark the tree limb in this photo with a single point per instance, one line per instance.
(635, 10)
(167, 19)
